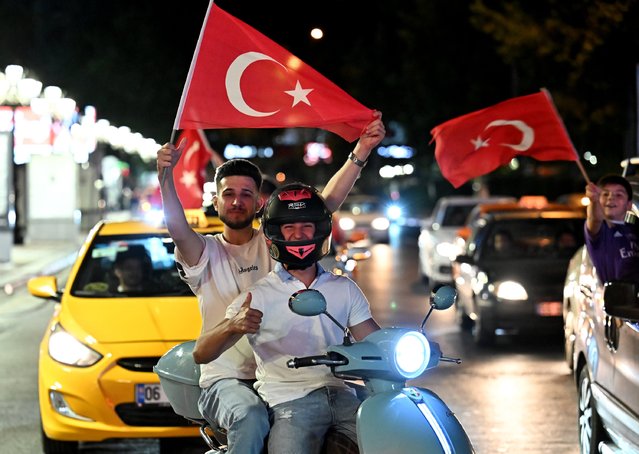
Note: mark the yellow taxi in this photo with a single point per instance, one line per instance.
(123, 306)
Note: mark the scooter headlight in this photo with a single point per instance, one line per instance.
(412, 353)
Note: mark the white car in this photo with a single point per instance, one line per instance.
(437, 236)
(363, 217)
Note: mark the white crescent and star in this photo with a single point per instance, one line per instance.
(234, 92)
(527, 139)
(188, 178)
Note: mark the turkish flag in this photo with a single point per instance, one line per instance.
(241, 79)
(189, 173)
(479, 142)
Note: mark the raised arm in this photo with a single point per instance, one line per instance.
(190, 243)
(342, 182)
(215, 341)
(594, 212)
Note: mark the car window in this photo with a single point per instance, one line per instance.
(533, 238)
(360, 207)
(132, 265)
(455, 215)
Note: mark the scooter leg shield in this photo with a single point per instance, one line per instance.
(412, 420)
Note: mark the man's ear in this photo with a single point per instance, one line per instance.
(261, 201)
(215, 202)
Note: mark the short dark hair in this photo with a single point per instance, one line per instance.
(240, 167)
(616, 179)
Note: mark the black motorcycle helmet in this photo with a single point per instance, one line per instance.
(297, 202)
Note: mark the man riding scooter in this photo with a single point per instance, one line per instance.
(303, 404)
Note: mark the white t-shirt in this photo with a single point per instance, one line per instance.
(224, 270)
(284, 334)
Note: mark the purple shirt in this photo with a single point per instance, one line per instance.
(615, 252)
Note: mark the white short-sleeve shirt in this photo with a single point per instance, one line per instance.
(223, 271)
(284, 334)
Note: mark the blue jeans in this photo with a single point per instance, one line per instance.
(235, 406)
(299, 426)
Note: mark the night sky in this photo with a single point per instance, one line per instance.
(421, 62)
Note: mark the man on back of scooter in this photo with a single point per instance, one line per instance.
(303, 403)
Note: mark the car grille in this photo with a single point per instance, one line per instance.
(144, 364)
(155, 416)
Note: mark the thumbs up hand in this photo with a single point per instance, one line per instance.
(247, 320)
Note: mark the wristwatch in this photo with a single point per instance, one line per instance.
(358, 162)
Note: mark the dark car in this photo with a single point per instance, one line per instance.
(510, 277)
(601, 326)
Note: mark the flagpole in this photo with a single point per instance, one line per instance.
(561, 120)
(171, 140)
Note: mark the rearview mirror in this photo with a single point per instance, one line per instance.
(620, 300)
(307, 302)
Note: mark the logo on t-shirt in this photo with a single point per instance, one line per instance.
(247, 269)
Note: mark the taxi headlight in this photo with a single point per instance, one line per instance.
(66, 349)
(510, 290)
(412, 353)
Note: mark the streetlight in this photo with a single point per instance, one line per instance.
(15, 91)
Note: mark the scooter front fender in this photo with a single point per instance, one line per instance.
(411, 420)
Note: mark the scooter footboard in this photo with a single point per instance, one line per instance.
(410, 420)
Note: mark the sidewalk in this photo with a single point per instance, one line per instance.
(40, 258)
(36, 259)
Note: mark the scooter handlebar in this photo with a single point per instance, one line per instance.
(307, 361)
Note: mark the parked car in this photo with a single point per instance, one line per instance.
(95, 377)
(436, 240)
(601, 326)
(363, 217)
(510, 277)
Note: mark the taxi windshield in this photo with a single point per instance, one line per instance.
(127, 266)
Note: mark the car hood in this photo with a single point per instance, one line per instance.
(444, 234)
(114, 320)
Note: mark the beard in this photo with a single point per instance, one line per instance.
(237, 223)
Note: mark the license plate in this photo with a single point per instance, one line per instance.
(549, 309)
(150, 394)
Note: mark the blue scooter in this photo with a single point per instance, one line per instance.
(393, 418)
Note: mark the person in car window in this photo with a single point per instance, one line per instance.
(217, 268)
(612, 244)
(502, 243)
(303, 403)
(132, 268)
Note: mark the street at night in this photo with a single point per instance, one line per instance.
(517, 396)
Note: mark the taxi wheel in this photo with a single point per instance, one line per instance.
(50, 446)
(591, 431)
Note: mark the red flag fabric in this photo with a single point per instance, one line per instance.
(190, 171)
(239, 78)
(479, 142)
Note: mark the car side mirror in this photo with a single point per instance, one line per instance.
(620, 300)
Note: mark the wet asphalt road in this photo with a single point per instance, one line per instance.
(517, 397)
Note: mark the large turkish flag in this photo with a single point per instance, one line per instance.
(479, 142)
(241, 79)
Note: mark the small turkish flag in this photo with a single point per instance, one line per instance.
(479, 142)
(189, 173)
(241, 79)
